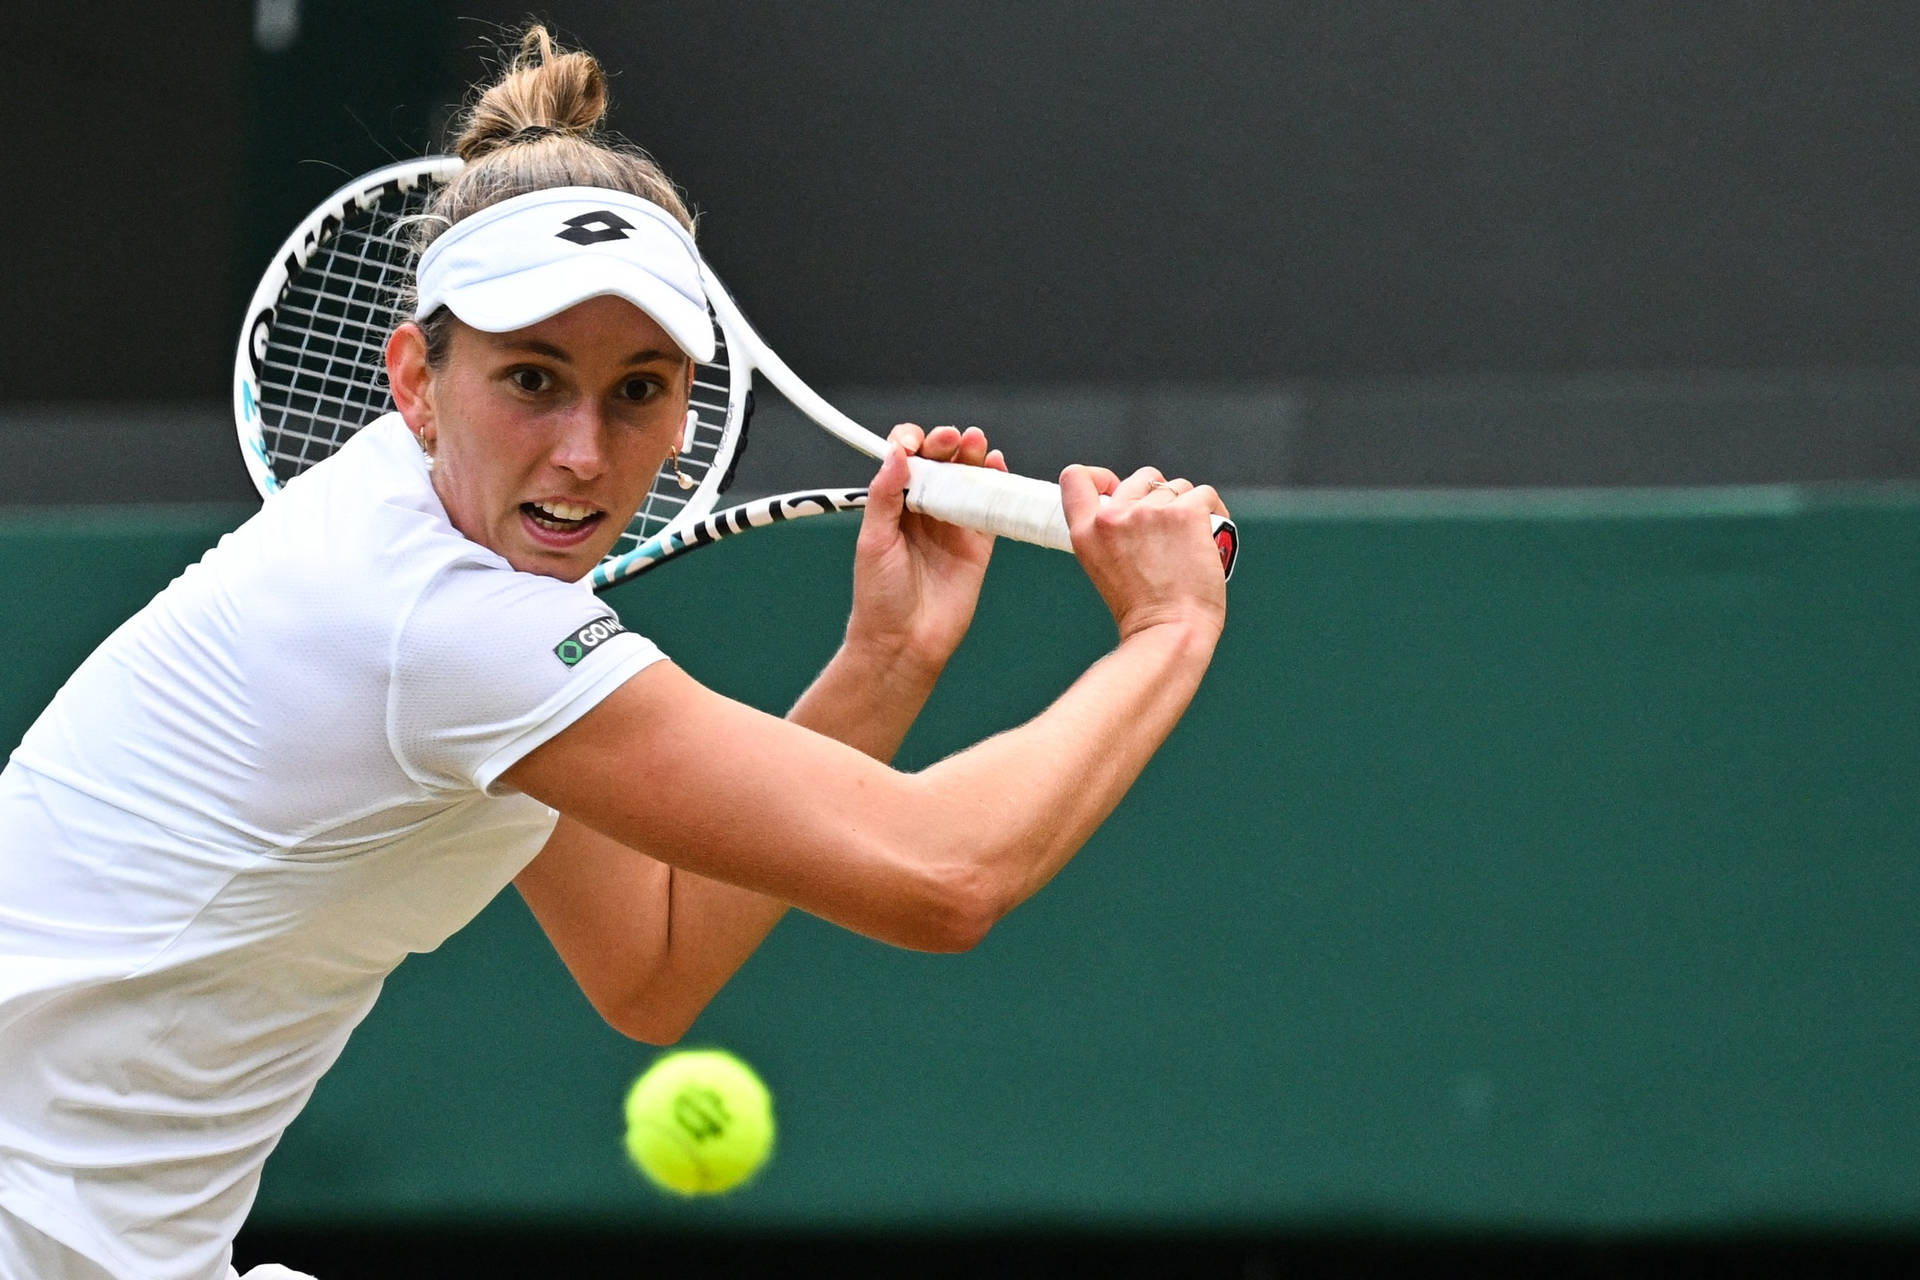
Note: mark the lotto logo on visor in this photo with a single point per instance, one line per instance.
(524, 260)
(592, 228)
(588, 638)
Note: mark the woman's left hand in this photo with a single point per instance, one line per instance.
(916, 579)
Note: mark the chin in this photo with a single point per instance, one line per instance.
(551, 564)
(569, 564)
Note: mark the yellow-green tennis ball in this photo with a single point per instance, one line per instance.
(699, 1121)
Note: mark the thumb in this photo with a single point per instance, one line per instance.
(887, 493)
(1080, 489)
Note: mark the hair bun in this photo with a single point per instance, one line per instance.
(535, 128)
(545, 91)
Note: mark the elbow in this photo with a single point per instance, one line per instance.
(647, 1021)
(657, 1031)
(962, 906)
(651, 1031)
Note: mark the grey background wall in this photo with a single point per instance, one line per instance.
(1303, 244)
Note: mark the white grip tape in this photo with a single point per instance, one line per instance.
(1011, 506)
(995, 502)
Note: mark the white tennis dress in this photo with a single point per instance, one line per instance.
(243, 810)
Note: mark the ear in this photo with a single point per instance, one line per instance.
(686, 428)
(411, 378)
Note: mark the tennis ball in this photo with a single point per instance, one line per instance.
(699, 1122)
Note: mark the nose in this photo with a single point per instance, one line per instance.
(580, 446)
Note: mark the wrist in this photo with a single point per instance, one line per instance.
(1177, 651)
(890, 662)
(1190, 630)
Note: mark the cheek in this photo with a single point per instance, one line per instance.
(479, 431)
(649, 445)
(479, 461)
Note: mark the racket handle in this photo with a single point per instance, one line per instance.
(1011, 506)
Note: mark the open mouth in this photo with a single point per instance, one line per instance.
(563, 519)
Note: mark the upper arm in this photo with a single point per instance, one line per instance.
(607, 910)
(702, 782)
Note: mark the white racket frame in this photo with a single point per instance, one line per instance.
(315, 229)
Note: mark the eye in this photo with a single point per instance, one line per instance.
(529, 379)
(640, 388)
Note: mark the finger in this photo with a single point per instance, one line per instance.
(1104, 480)
(941, 444)
(908, 435)
(1204, 495)
(996, 460)
(1162, 492)
(1080, 490)
(972, 447)
(1139, 484)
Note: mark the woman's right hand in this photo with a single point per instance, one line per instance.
(1147, 545)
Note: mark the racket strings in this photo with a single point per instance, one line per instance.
(323, 373)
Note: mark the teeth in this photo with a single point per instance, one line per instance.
(564, 510)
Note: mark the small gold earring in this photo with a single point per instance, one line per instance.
(425, 452)
(680, 477)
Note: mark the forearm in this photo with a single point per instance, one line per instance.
(714, 926)
(867, 700)
(865, 703)
(1029, 798)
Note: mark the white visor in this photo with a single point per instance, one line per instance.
(523, 260)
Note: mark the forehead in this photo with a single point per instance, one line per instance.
(606, 329)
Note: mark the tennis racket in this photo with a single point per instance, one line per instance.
(311, 371)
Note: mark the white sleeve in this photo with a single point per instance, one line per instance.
(491, 663)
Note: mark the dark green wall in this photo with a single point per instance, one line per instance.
(1548, 863)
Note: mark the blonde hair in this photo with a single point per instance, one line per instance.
(538, 126)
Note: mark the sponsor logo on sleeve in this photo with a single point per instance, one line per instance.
(588, 638)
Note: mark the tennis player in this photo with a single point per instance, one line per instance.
(388, 694)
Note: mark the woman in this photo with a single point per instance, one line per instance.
(331, 742)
